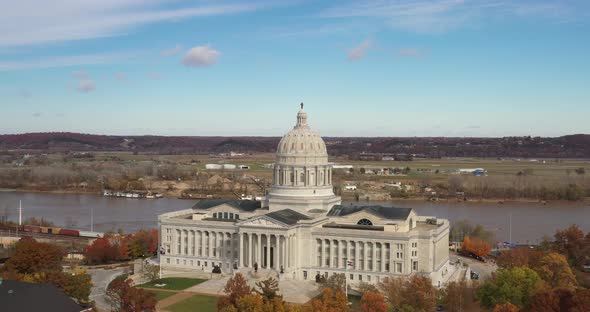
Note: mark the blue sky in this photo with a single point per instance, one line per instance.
(363, 68)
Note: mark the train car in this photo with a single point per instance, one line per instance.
(69, 232)
(91, 234)
(44, 229)
(32, 228)
(53, 230)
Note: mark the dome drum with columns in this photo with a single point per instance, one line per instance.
(302, 176)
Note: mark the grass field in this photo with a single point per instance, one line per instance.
(160, 295)
(173, 283)
(199, 303)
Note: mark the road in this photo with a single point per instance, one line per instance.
(484, 269)
(100, 280)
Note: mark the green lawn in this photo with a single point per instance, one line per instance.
(160, 295)
(199, 303)
(173, 283)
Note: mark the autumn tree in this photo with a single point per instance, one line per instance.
(416, 292)
(554, 269)
(513, 285)
(454, 295)
(519, 257)
(143, 243)
(268, 289)
(572, 243)
(102, 250)
(250, 303)
(336, 281)
(476, 246)
(235, 288)
(126, 298)
(151, 272)
(373, 302)
(31, 257)
(506, 307)
(329, 301)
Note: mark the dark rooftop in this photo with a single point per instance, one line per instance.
(21, 296)
(354, 226)
(243, 205)
(391, 213)
(287, 216)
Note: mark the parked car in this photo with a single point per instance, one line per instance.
(474, 275)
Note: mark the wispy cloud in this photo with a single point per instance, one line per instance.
(120, 76)
(442, 15)
(67, 61)
(28, 22)
(175, 50)
(84, 82)
(200, 56)
(410, 52)
(359, 51)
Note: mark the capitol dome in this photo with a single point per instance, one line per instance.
(302, 176)
(301, 141)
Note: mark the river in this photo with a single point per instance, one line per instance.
(530, 221)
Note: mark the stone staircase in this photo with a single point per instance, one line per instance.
(262, 274)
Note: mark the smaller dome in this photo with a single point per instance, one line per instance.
(301, 140)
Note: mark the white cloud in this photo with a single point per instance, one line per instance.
(28, 22)
(359, 51)
(80, 74)
(177, 49)
(120, 76)
(155, 76)
(86, 85)
(200, 56)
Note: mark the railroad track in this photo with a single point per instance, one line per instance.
(12, 233)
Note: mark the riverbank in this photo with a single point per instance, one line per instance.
(174, 195)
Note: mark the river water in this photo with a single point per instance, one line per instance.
(530, 221)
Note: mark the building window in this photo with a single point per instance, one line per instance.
(231, 215)
(414, 245)
(351, 277)
(177, 261)
(360, 277)
(304, 274)
(398, 268)
(368, 278)
(168, 260)
(205, 263)
(215, 215)
(302, 177)
(365, 222)
(414, 253)
(198, 262)
(192, 263)
(387, 266)
(414, 266)
(399, 255)
(225, 215)
(237, 216)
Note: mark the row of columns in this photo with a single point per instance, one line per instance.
(322, 176)
(254, 248)
(340, 251)
(251, 247)
(210, 244)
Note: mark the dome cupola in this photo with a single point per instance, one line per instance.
(302, 176)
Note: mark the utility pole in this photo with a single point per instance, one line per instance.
(510, 231)
(20, 212)
(91, 219)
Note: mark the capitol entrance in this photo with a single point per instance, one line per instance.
(265, 259)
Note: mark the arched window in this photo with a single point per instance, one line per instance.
(365, 222)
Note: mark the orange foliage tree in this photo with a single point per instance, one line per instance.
(329, 301)
(373, 302)
(506, 307)
(476, 246)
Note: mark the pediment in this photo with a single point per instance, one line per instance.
(263, 222)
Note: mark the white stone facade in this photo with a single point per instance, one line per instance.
(302, 230)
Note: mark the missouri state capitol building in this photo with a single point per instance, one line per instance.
(301, 229)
